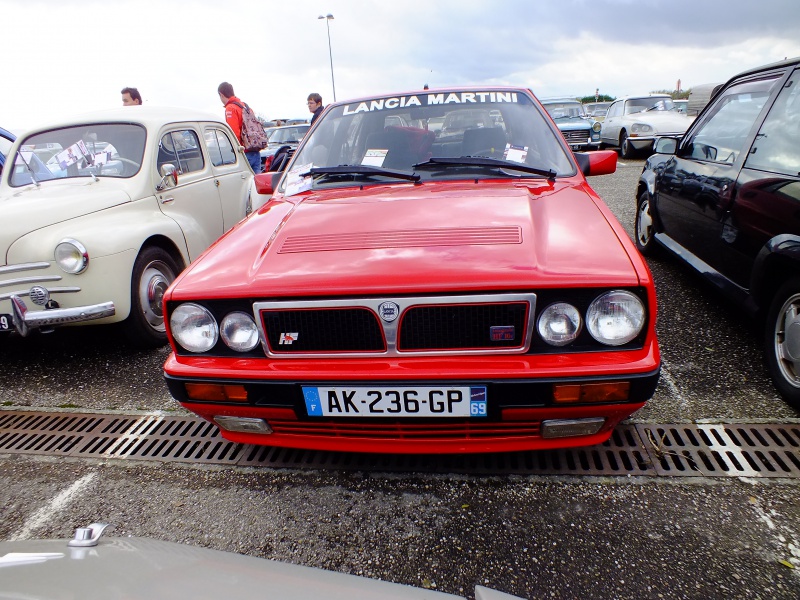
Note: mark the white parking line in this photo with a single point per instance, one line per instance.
(673, 388)
(140, 428)
(41, 516)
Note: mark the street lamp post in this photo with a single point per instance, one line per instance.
(328, 18)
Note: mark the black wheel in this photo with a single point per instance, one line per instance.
(153, 271)
(626, 149)
(644, 231)
(782, 341)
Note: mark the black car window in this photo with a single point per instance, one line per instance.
(181, 149)
(219, 148)
(775, 147)
(724, 132)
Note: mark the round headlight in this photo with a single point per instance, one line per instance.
(193, 327)
(559, 324)
(615, 318)
(71, 256)
(239, 332)
(641, 128)
(597, 126)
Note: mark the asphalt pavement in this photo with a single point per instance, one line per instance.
(532, 536)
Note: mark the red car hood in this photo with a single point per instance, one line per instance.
(400, 239)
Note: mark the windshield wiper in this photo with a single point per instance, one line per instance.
(476, 161)
(27, 166)
(346, 170)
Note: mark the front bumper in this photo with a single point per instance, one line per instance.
(26, 321)
(267, 405)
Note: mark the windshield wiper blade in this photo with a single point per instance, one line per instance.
(476, 161)
(34, 179)
(361, 170)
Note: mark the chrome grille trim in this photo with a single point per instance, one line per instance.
(52, 290)
(391, 329)
(30, 280)
(23, 267)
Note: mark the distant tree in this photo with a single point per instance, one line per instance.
(600, 98)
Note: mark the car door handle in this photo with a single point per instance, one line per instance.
(216, 182)
(167, 200)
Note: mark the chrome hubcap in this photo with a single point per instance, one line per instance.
(645, 223)
(787, 340)
(154, 282)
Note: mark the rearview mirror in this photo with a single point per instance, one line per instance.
(169, 177)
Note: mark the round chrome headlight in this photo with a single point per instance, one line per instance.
(71, 256)
(615, 318)
(193, 327)
(559, 324)
(597, 126)
(239, 332)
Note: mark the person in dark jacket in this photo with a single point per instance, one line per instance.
(315, 106)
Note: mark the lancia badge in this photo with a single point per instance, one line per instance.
(388, 311)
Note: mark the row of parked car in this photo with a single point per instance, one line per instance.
(630, 124)
(397, 286)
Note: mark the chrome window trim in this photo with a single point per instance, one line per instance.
(390, 329)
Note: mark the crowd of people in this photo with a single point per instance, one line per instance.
(233, 113)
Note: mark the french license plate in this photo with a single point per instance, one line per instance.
(6, 324)
(420, 401)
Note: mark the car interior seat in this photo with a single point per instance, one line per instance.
(405, 145)
(484, 141)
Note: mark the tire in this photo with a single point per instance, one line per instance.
(626, 150)
(153, 271)
(782, 341)
(644, 231)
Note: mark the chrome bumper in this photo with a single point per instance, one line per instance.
(25, 321)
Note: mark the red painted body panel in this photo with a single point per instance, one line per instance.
(562, 225)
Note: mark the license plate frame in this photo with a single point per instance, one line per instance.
(401, 401)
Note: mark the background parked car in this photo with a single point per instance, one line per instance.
(126, 200)
(725, 199)
(289, 135)
(700, 96)
(633, 123)
(596, 110)
(6, 140)
(580, 131)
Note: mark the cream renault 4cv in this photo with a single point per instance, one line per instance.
(100, 214)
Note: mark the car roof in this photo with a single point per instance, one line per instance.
(150, 116)
(640, 96)
(553, 99)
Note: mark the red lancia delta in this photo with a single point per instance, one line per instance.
(432, 274)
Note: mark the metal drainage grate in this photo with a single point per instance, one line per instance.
(632, 450)
(724, 450)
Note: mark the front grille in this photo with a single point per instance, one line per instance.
(324, 330)
(466, 326)
(576, 137)
(458, 429)
(398, 326)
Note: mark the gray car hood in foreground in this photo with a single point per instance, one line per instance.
(141, 568)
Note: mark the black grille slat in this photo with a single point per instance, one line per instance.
(463, 326)
(324, 330)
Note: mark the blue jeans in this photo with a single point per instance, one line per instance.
(254, 158)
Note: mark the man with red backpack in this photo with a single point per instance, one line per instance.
(245, 125)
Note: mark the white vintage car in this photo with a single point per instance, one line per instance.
(634, 122)
(100, 214)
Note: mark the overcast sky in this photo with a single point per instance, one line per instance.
(73, 56)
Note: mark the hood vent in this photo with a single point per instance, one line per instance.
(464, 236)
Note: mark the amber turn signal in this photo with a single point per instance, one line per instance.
(613, 391)
(216, 393)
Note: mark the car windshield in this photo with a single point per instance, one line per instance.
(481, 134)
(637, 105)
(288, 134)
(91, 150)
(565, 110)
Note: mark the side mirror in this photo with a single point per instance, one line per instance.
(598, 162)
(169, 177)
(665, 145)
